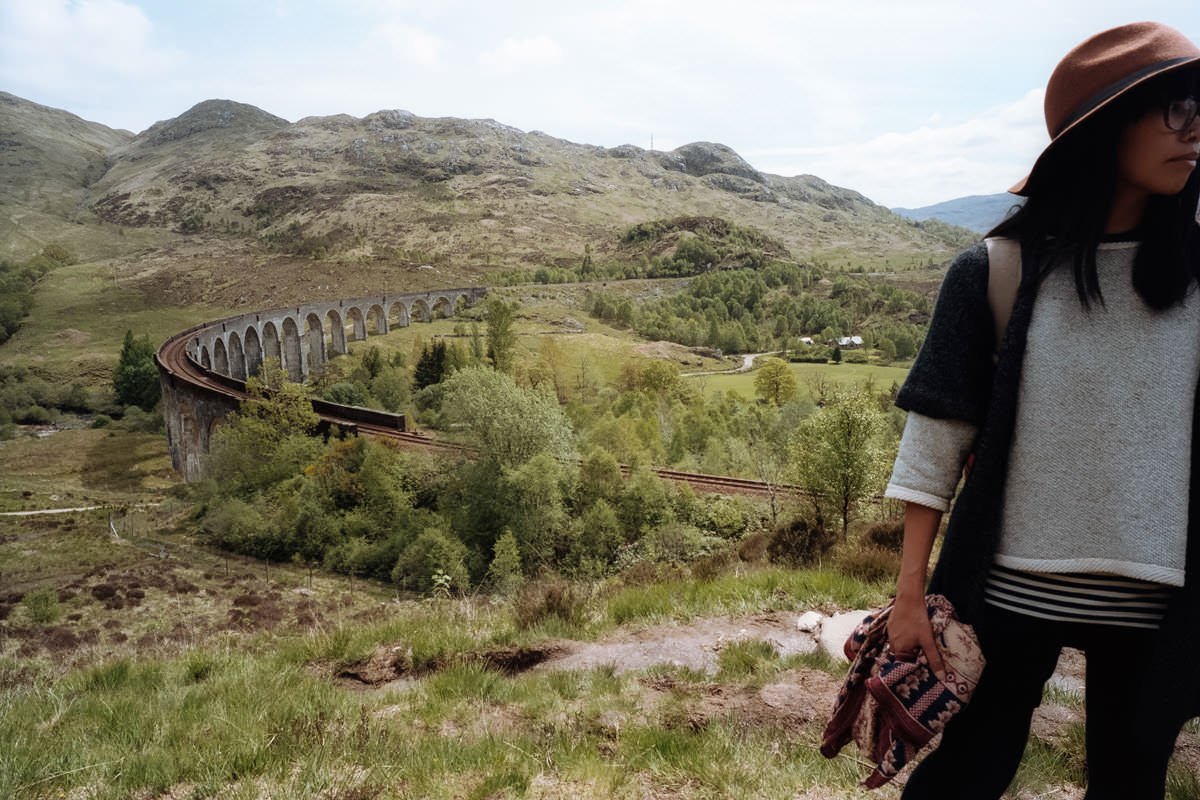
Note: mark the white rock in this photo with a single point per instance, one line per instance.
(837, 629)
(810, 621)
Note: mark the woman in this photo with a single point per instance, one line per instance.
(1077, 522)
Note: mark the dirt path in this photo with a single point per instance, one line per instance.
(695, 645)
(747, 365)
(47, 511)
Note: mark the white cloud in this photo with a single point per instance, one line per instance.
(77, 43)
(405, 43)
(981, 155)
(514, 55)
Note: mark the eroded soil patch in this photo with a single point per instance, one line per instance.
(394, 662)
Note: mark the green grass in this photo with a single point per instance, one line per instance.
(79, 319)
(76, 468)
(807, 375)
(46, 549)
(746, 658)
(769, 589)
(199, 720)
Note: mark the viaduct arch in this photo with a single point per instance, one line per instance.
(302, 337)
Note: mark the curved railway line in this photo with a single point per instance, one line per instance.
(175, 361)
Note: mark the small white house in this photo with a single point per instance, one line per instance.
(850, 341)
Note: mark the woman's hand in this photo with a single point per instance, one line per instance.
(908, 626)
(909, 631)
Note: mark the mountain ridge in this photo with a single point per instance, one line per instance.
(393, 189)
(977, 212)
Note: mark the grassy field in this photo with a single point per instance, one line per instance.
(808, 376)
(140, 664)
(84, 467)
(79, 318)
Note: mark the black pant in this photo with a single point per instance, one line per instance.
(981, 748)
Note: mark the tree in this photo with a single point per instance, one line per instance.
(775, 382)
(887, 350)
(501, 338)
(266, 441)
(510, 424)
(346, 393)
(431, 366)
(504, 574)
(599, 478)
(136, 378)
(839, 452)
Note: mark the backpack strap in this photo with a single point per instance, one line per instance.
(1004, 276)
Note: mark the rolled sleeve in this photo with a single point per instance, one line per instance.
(930, 460)
(951, 377)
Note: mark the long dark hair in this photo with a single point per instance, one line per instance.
(1069, 197)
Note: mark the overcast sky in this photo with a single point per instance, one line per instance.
(910, 102)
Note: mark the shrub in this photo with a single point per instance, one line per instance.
(870, 563)
(346, 393)
(800, 542)
(753, 548)
(727, 517)
(434, 551)
(546, 599)
(715, 564)
(888, 534)
(676, 543)
(644, 573)
(102, 421)
(42, 606)
(33, 415)
(855, 357)
(136, 420)
(504, 573)
(597, 541)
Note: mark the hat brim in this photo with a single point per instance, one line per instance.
(1021, 186)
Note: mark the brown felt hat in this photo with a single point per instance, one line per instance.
(1104, 67)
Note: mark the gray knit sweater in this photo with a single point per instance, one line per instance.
(1099, 469)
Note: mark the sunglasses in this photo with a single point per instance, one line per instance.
(1178, 115)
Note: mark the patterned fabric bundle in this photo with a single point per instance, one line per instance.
(891, 707)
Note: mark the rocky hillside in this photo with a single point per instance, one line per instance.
(48, 159)
(396, 190)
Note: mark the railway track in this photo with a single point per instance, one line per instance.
(174, 360)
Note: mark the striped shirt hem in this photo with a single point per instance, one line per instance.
(1107, 567)
(1096, 599)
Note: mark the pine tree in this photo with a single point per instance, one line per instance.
(431, 366)
(135, 381)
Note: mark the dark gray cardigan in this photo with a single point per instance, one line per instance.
(954, 377)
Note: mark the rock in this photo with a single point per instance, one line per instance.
(706, 158)
(1066, 683)
(625, 151)
(810, 621)
(391, 118)
(837, 629)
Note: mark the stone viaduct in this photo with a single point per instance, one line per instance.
(302, 338)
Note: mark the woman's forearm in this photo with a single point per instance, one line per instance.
(920, 529)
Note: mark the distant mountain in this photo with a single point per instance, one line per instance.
(394, 190)
(979, 212)
(48, 158)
